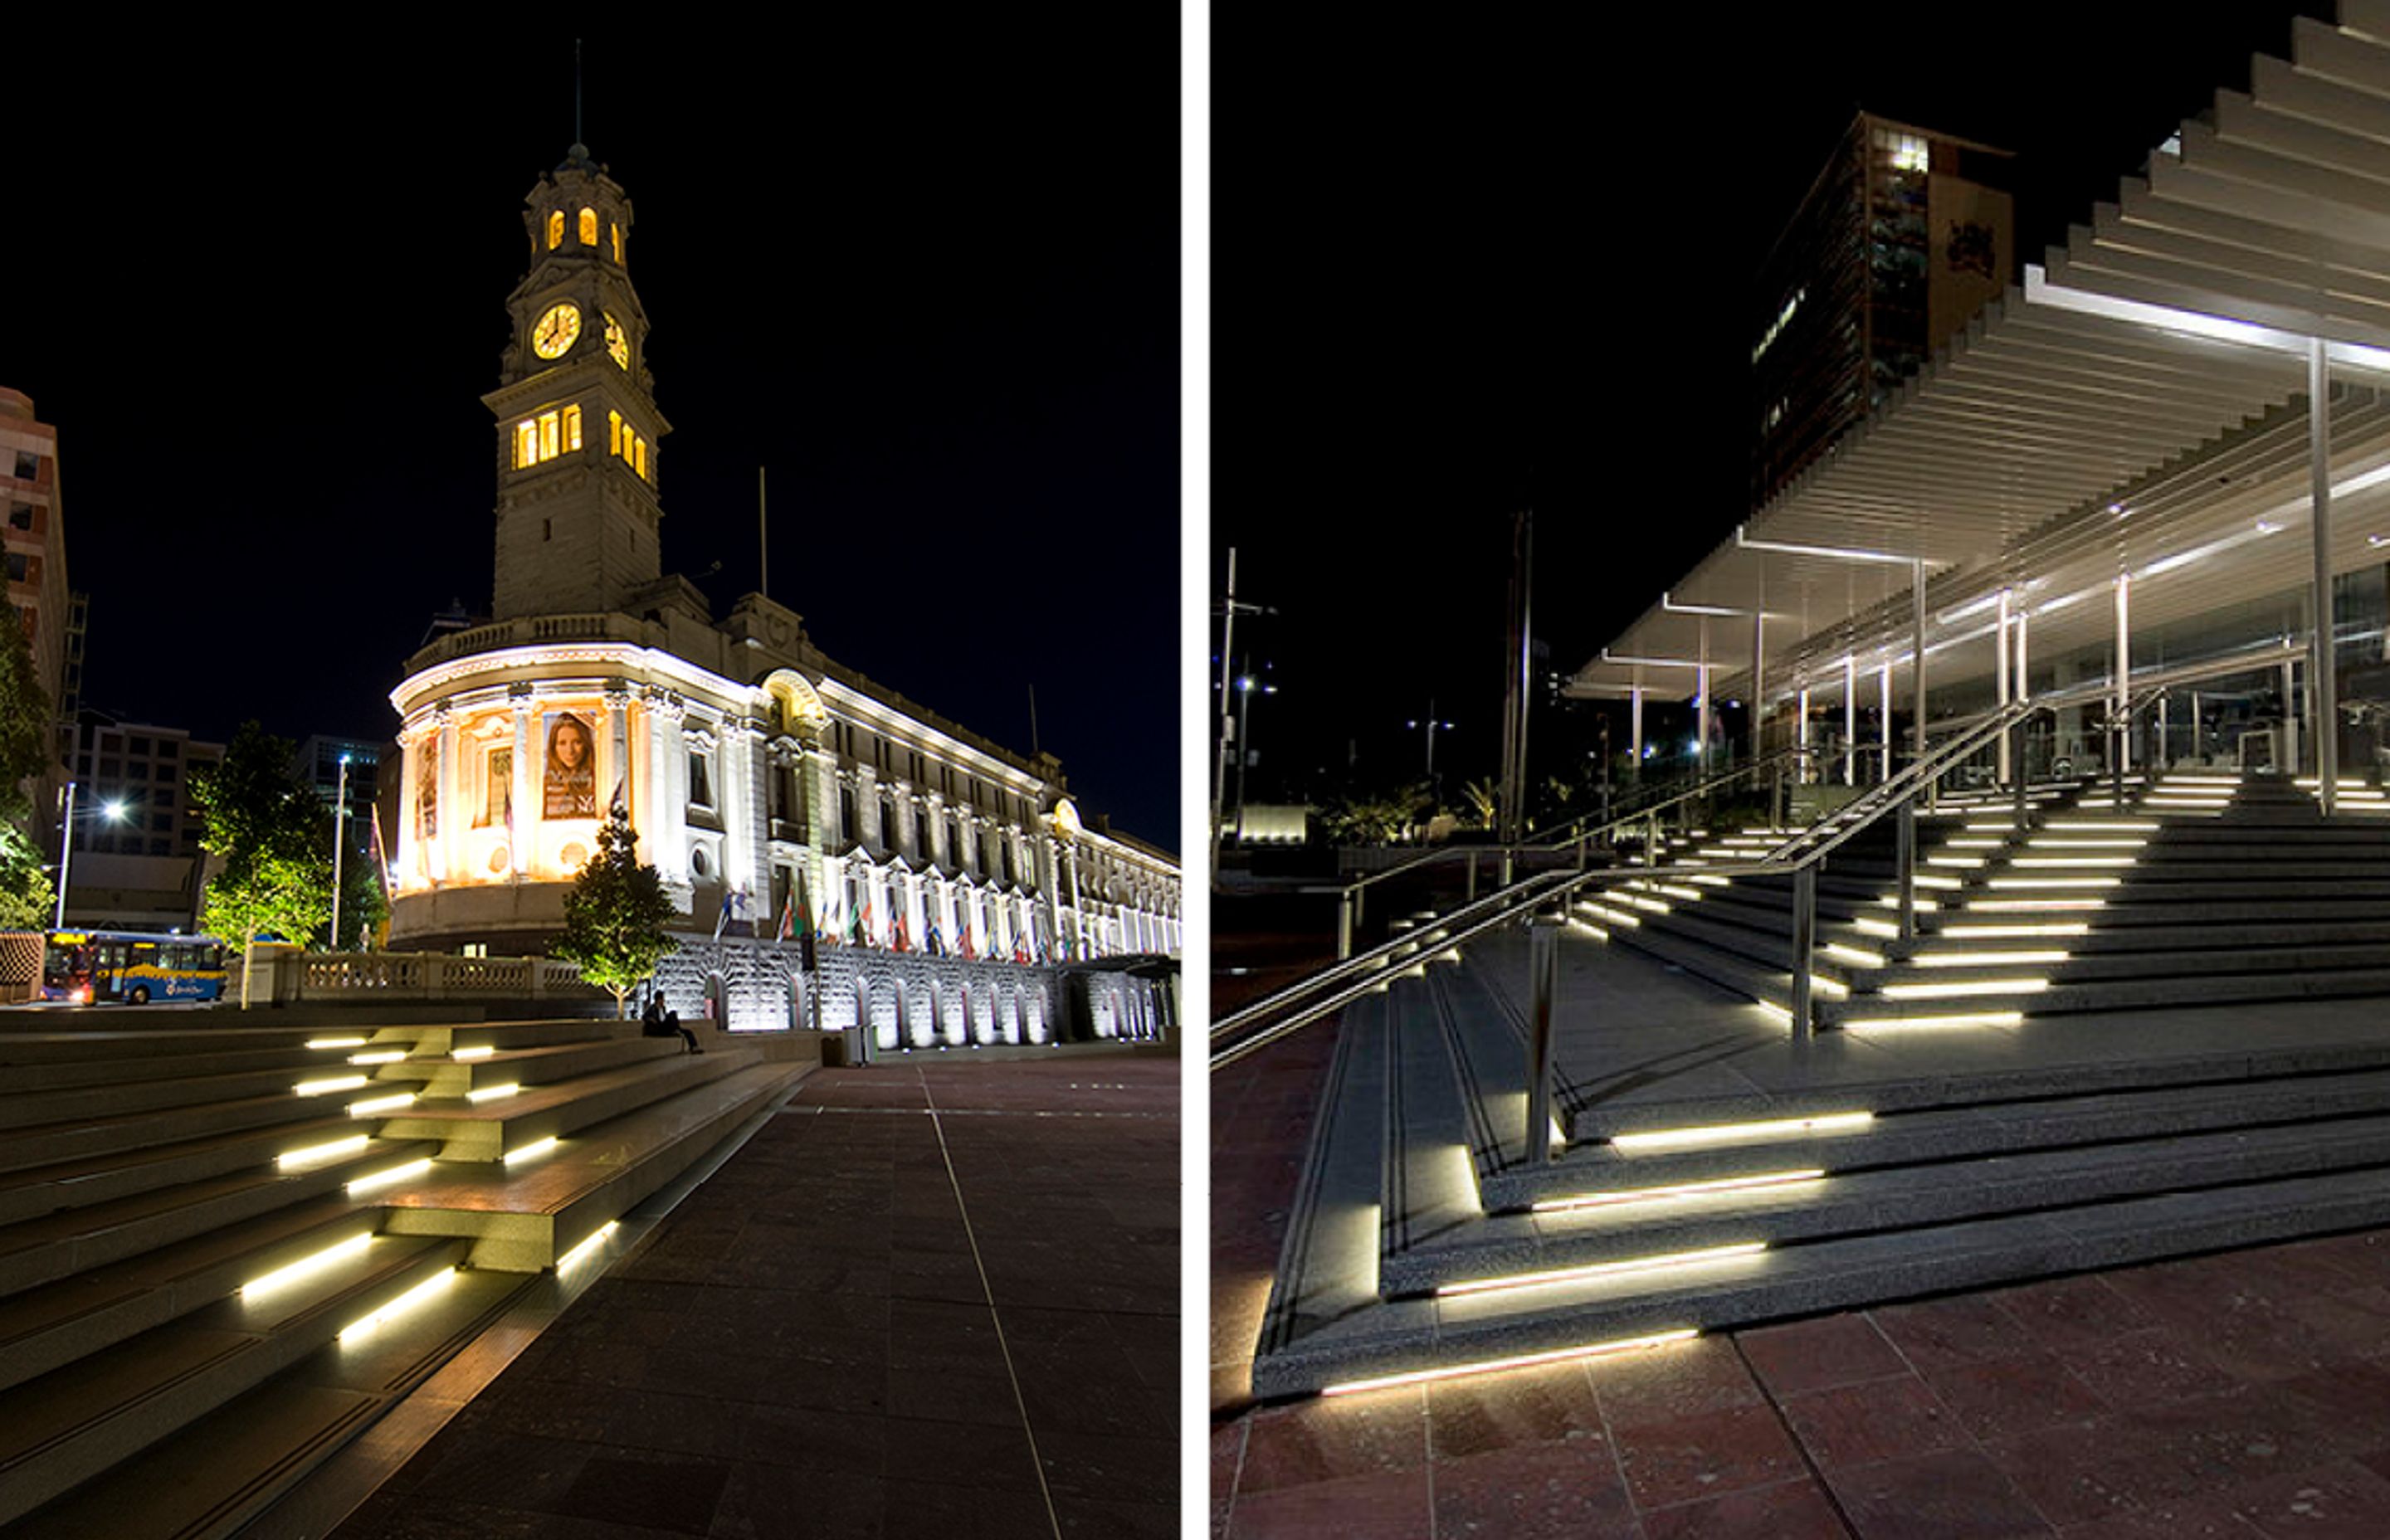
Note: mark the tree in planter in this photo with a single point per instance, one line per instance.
(615, 918)
(275, 838)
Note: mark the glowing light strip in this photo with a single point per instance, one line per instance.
(531, 1150)
(317, 1154)
(392, 1057)
(1941, 990)
(397, 1172)
(1961, 861)
(1616, 916)
(1853, 955)
(420, 1293)
(2005, 931)
(2085, 844)
(1957, 844)
(1735, 1133)
(1972, 1019)
(379, 1104)
(324, 1088)
(2106, 827)
(2056, 882)
(1663, 1262)
(1684, 1189)
(266, 1283)
(1988, 959)
(336, 1041)
(484, 1051)
(2045, 860)
(596, 1238)
(1524, 1360)
(1875, 927)
(2019, 905)
(1590, 928)
(493, 1093)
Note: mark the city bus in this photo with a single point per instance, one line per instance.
(137, 967)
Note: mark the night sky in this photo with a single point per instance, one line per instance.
(926, 273)
(1463, 271)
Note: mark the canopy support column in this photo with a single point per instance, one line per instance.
(2322, 686)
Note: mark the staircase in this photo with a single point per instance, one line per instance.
(2041, 1119)
(225, 1250)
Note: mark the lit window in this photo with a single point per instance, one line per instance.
(639, 456)
(572, 428)
(556, 230)
(588, 226)
(618, 242)
(613, 432)
(548, 447)
(526, 443)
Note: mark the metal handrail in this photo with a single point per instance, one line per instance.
(1359, 975)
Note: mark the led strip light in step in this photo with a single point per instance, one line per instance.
(1631, 1267)
(1739, 1133)
(1683, 1190)
(1524, 1360)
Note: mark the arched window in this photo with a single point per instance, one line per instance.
(572, 428)
(588, 226)
(556, 230)
(617, 230)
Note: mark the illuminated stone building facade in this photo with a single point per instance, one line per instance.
(32, 544)
(961, 898)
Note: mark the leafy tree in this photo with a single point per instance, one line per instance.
(28, 897)
(615, 918)
(275, 837)
(27, 894)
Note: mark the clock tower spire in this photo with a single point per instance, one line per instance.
(578, 429)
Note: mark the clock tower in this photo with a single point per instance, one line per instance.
(578, 464)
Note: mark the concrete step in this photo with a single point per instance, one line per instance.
(1785, 1205)
(1326, 1269)
(522, 1214)
(447, 1075)
(51, 1144)
(30, 1193)
(2130, 994)
(212, 1478)
(36, 1252)
(68, 1425)
(1840, 1274)
(487, 1129)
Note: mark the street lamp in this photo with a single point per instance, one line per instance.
(1247, 685)
(1432, 725)
(339, 819)
(114, 811)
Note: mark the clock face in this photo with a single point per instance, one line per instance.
(556, 332)
(617, 343)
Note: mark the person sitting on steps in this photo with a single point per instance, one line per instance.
(656, 1021)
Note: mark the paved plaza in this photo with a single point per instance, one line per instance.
(926, 1299)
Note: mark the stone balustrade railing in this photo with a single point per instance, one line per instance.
(278, 976)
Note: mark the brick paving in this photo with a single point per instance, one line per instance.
(871, 1321)
(2244, 1394)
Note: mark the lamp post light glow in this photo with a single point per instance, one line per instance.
(339, 829)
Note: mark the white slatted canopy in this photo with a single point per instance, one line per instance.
(2138, 407)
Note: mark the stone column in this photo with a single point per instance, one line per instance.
(523, 838)
(446, 862)
(617, 773)
(411, 741)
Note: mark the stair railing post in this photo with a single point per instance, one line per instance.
(2016, 760)
(1344, 924)
(1544, 963)
(1908, 829)
(1652, 840)
(1472, 876)
(1805, 938)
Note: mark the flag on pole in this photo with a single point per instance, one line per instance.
(787, 915)
(805, 926)
(721, 919)
(862, 928)
(897, 938)
(932, 943)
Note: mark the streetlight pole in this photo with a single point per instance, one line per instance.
(66, 858)
(339, 832)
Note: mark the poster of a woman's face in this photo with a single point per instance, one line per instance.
(572, 776)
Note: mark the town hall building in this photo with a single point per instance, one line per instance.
(961, 896)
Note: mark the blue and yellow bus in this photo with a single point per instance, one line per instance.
(88, 966)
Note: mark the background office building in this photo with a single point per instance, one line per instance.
(32, 544)
(1903, 237)
(137, 859)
